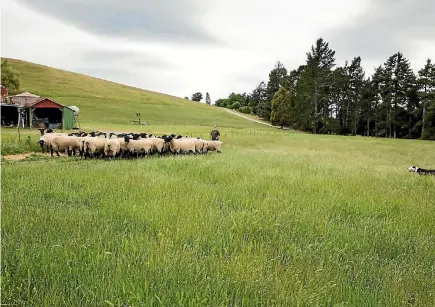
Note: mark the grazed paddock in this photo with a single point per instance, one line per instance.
(285, 219)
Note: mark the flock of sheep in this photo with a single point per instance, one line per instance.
(123, 145)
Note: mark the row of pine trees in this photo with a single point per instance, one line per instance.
(321, 98)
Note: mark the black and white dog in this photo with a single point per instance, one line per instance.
(421, 171)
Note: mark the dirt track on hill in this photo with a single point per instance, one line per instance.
(251, 119)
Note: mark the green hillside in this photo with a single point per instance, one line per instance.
(104, 102)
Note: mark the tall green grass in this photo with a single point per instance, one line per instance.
(277, 220)
(11, 143)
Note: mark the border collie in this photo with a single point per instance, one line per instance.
(421, 171)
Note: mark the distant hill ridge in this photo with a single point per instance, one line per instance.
(103, 101)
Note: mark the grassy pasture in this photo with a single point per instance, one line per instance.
(278, 219)
(283, 220)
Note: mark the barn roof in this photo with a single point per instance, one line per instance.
(45, 102)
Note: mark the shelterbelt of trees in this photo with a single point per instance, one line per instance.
(320, 97)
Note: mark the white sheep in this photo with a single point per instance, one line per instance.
(111, 147)
(92, 145)
(199, 143)
(214, 146)
(68, 143)
(180, 145)
(158, 145)
(138, 147)
(45, 139)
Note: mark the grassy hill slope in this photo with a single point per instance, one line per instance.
(105, 102)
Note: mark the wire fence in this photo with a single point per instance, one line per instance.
(240, 133)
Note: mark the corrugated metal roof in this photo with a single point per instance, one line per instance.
(25, 94)
(11, 105)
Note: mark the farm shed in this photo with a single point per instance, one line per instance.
(9, 115)
(24, 99)
(50, 114)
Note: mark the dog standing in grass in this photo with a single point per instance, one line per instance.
(421, 171)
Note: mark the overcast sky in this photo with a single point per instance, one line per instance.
(179, 47)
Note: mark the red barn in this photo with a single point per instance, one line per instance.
(4, 91)
(4, 94)
(52, 114)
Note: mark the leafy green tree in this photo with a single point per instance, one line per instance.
(197, 96)
(233, 98)
(207, 99)
(281, 106)
(235, 106)
(10, 79)
(185, 97)
(223, 103)
(245, 109)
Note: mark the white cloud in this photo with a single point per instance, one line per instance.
(255, 34)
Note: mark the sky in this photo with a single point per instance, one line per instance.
(180, 47)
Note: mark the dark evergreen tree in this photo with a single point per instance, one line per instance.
(317, 77)
(397, 91)
(257, 97)
(277, 79)
(354, 87)
(207, 98)
(376, 88)
(426, 85)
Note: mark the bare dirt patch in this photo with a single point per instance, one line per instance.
(24, 156)
(17, 157)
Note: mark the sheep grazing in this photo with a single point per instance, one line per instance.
(92, 146)
(214, 146)
(112, 148)
(178, 146)
(199, 143)
(123, 145)
(421, 171)
(46, 140)
(158, 145)
(62, 143)
(138, 148)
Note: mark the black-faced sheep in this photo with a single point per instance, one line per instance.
(112, 148)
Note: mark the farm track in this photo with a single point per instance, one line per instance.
(255, 120)
(251, 119)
